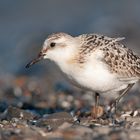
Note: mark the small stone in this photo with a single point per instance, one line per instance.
(55, 120)
(13, 112)
(135, 113)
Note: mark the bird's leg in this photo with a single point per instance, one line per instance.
(95, 108)
(124, 92)
(97, 96)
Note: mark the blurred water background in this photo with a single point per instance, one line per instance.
(24, 25)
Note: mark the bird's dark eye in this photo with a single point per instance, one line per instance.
(52, 44)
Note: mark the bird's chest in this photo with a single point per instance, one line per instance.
(93, 76)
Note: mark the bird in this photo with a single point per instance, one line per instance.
(93, 62)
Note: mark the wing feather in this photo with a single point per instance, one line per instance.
(122, 61)
(118, 58)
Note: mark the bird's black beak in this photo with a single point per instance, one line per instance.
(40, 57)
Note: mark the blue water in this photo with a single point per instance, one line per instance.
(24, 25)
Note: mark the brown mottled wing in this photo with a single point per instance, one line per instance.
(122, 61)
(119, 59)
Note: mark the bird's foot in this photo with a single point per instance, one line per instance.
(97, 112)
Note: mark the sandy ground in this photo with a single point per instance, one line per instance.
(31, 110)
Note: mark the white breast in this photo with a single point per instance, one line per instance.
(96, 76)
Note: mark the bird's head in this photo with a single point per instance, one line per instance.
(57, 47)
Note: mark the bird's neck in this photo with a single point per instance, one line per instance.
(68, 65)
